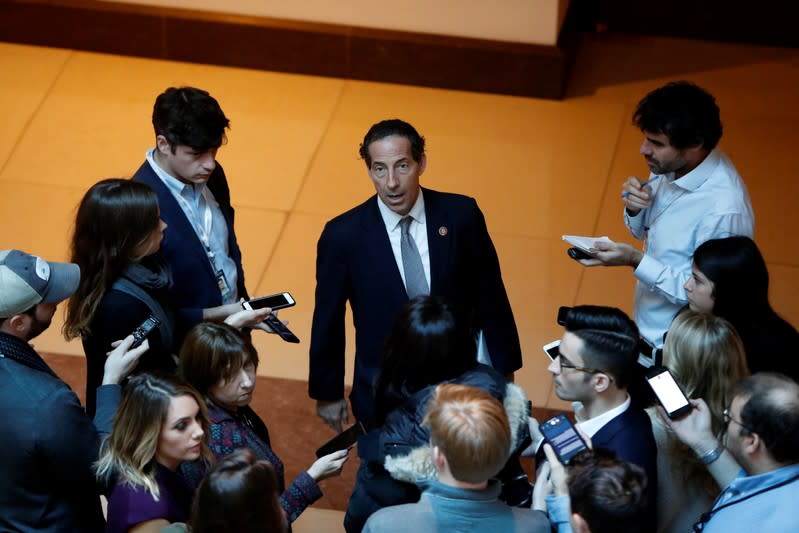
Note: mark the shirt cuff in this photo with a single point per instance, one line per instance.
(558, 509)
(648, 270)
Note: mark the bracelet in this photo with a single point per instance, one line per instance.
(712, 455)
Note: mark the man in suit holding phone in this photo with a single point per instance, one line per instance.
(596, 364)
(400, 243)
(193, 195)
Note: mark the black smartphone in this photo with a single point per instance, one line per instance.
(561, 434)
(280, 328)
(342, 441)
(668, 392)
(273, 301)
(577, 254)
(146, 327)
(552, 349)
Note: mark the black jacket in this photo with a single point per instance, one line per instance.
(397, 455)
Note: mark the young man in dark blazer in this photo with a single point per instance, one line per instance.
(200, 244)
(363, 258)
(597, 362)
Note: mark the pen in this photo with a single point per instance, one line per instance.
(644, 184)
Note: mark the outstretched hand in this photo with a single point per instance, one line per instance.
(694, 429)
(122, 360)
(328, 465)
(246, 318)
(614, 254)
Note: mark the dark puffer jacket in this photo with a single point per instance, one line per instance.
(397, 455)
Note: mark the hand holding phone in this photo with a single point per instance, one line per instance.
(273, 301)
(561, 434)
(141, 332)
(668, 392)
(344, 440)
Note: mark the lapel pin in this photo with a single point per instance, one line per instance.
(443, 231)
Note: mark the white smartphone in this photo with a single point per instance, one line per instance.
(668, 392)
(552, 349)
(273, 301)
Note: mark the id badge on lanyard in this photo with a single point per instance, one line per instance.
(204, 233)
(221, 280)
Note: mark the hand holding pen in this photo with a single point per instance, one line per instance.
(636, 195)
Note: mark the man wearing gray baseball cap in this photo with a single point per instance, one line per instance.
(48, 443)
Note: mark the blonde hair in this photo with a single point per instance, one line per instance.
(707, 358)
(129, 453)
(471, 428)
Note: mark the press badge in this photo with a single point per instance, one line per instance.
(224, 286)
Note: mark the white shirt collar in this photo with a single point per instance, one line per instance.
(699, 175)
(176, 186)
(392, 219)
(591, 426)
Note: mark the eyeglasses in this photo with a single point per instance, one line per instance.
(728, 417)
(565, 363)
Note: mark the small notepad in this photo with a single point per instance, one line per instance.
(585, 244)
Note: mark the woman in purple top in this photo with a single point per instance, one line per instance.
(220, 363)
(160, 423)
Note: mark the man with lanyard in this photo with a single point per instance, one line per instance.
(193, 195)
(763, 437)
(693, 194)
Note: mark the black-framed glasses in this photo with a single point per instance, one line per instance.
(565, 363)
(728, 417)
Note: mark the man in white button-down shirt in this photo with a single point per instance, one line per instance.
(693, 194)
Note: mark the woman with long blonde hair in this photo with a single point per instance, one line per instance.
(707, 358)
(160, 422)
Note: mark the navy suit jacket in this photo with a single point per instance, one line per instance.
(194, 286)
(630, 436)
(355, 263)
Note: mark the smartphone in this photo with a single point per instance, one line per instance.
(274, 302)
(668, 392)
(552, 349)
(577, 254)
(561, 434)
(344, 440)
(141, 332)
(280, 328)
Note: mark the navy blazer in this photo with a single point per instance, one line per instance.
(194, 285)
(355, 263)
(630, 436)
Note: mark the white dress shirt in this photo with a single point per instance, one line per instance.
(418, 230)
(194, 200)
(709, 202)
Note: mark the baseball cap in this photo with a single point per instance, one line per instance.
(27, 280)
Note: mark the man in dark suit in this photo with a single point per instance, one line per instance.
(597, 361)
(400, 243)
(200, 245)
